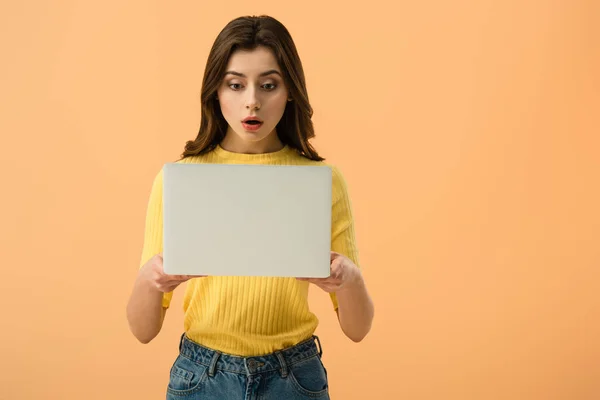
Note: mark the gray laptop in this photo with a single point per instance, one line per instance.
(246, 220)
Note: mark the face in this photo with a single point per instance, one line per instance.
(252, 88)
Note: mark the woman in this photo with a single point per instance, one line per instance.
(251, 337)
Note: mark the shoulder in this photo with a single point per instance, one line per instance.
(336, 172)
(339, 184)
(199, 159)
(158, 177)
(156, 187)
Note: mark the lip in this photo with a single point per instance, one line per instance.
(251, 127)
(252, 118)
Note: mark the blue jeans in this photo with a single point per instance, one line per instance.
(291, 374)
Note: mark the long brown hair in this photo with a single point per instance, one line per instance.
(295, 127)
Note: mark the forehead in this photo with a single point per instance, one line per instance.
(252, 62)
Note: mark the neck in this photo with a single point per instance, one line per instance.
(234, 144)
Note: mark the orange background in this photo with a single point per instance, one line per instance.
(467, 131)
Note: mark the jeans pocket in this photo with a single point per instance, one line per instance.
(309, 377)
(186, 377)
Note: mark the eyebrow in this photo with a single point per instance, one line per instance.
(269, 72)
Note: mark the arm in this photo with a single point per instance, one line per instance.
(355, 306)
(146, 308)
(147, 304)
(145, 313)
(346, 284)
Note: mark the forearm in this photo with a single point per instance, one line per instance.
(145, 312)
(355, 309)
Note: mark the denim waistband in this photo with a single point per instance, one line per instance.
(278, 360)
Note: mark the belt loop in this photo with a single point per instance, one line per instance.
(319, 342)
(213, 363)
(284, 369)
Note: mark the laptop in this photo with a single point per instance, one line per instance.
(246, 220)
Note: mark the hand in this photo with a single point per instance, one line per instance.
(344, 273)
(154, 273)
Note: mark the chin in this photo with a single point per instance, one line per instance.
(252, 136)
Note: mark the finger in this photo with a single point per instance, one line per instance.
(337, 275)
(328, 288)
(335, 264)
(188, 277)
(334, 283)
(325, 283)
(314, 279)
(337, 270)
(174, 278)
(163, 287)
(338, 261)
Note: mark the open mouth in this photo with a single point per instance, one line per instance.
(252, 124)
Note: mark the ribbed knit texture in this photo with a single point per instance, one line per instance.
(250, 316)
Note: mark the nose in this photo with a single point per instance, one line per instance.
(252, 101)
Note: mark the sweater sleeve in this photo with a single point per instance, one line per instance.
(153, 233)
(343, 239)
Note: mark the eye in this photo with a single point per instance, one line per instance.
(235, 86)
(270, 86)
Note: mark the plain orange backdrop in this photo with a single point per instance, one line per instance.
(467, 132)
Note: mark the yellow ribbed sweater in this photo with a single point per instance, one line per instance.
(250, 316)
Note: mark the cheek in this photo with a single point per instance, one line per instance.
(279, 103)
(226, 103)
(224, 108)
